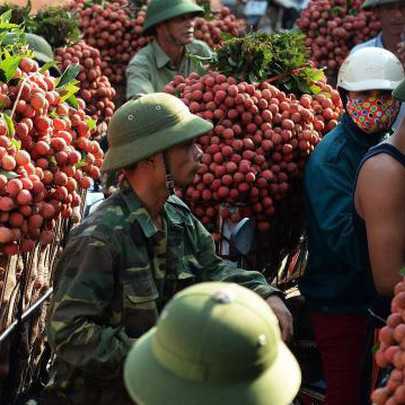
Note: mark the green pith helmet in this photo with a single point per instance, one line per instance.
(162, 10)
(42, 49)
(148, 125)
(375, 3)
(215, 343)
(399, 92)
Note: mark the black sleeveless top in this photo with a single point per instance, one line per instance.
(377, 304)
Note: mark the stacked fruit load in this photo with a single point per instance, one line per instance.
(114, 28)
(61, 29)
(269, 109)
(47, 154)
(333, 27)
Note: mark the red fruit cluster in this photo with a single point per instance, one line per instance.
(333, 28)
(46, 163)
(392, 352)
(95, 89)
(259, 144)
(111, 28)
(210, 31)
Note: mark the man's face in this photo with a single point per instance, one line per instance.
(178, 29)
(392, 17)
(185, 161)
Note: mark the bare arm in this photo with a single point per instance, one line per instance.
(380, 200)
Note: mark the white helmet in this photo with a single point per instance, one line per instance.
(370, 69)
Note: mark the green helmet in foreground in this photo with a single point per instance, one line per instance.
(215, 343)
(42, 50)
(375, 3)
(148, 125)
(162, 10)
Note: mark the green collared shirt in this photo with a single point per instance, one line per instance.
(150, 69)
(115, 275)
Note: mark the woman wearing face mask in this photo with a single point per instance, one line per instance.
(334, 283)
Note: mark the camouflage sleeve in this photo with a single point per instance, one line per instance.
(76, 327)
(216, 269)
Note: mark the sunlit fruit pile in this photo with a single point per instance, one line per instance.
(114, 29)
(260, 142)
(333, 27)
(269, 108)
(392, 352)
(46, 156)
(95, 88)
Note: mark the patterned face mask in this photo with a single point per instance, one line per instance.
(373, 114)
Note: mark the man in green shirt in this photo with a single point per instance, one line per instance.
(171, 24)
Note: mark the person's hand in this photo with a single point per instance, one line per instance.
(283, 315)
(401, 52)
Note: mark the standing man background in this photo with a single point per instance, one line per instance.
(171, 22)
(392, 17)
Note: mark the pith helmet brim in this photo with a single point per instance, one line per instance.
(150, 383)
(188, 128)
(165, 13)
(375, 3)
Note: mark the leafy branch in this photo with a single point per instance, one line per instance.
(279, 58)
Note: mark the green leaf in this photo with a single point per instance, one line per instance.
(9, 174)
(91, 123)
(52, 161)
(316, 89)
(72, 100)
(252, 78)
(82, 163)
(226, 37)
(67, 91)
(288, 85)
(402, 272)
(16, 143)
(3, 77)
(6, 17)
(47, 66)
(304, 86)
(10, 125)
(68, 75)
(198, 58)
(9, 65)
(317, 75)
(375, 347)
(232, 62)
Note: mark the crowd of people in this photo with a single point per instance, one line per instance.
(144, 310)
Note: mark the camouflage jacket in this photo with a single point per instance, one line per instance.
(115, 275)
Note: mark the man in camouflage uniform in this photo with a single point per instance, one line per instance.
(140, 247)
